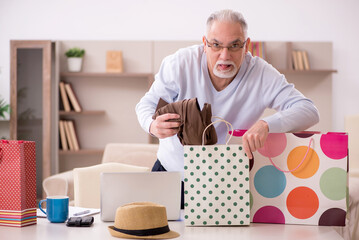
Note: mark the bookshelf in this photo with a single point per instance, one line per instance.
(315, 83)
(279, 54)
(282, 55)
(89, 84)
(70, 106)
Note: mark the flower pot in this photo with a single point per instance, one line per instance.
(74, 64)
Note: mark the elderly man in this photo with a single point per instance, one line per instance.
(238, 86)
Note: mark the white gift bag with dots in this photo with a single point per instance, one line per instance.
(216, 180)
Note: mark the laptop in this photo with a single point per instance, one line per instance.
(121, 188)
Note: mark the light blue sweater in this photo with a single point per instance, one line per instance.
(257, 86)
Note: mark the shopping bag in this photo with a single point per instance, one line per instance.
(300, 178)
(216, 185)
(17, 183)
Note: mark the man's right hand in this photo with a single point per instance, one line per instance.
(162, 128)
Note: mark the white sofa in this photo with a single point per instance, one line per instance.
(87, 182)
(142, 155)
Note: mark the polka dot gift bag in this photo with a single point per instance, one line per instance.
(17, 183)
(216, 179)
(300, 178)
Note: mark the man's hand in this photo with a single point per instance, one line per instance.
(255, 137)
(162, 128)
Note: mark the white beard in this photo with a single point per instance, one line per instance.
(227, 73)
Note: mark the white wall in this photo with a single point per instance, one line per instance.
(275, 20)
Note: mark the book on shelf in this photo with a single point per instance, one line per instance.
(73, 135)
(68, 135)
(305, 60)
(64, 98)
(295, 60)
(61, 105)
(72, 97)
(257, 49)
(300, 60)
(63, 140)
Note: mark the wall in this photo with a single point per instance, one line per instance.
(276, 20)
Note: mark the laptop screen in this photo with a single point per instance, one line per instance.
(120, 188)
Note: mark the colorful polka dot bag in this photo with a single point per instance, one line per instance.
(300, 178)
(17, 183)
(216, 185)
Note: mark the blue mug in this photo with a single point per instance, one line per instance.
(57, 208)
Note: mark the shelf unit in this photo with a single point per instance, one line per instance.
(290, 68)
(96, 79)
(315, 83)
(99, 75)
(84, 113)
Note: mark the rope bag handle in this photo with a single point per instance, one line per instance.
(300, 164)
(229, 126)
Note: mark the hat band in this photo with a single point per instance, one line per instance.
(144, 232)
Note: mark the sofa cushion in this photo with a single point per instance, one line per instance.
(87, 181)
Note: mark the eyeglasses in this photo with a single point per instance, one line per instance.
(232, 48)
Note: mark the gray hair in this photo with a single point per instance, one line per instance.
(227, 15)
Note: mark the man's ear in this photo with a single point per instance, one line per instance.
(204, 43)
(247, 44)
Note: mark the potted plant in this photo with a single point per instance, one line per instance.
(74, 59)
(4, 108)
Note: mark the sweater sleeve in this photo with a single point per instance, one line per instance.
(295, 112)
(164, 86)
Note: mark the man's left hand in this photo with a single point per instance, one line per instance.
(255, 137)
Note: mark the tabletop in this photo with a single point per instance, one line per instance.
(99, 230)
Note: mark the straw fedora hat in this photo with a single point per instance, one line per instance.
(143, 220)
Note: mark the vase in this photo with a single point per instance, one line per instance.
(74, 64)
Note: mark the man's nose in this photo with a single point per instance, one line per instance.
(225, 54)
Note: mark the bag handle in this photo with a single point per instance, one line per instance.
(217, 121)
(300, 164)
(228, 125)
